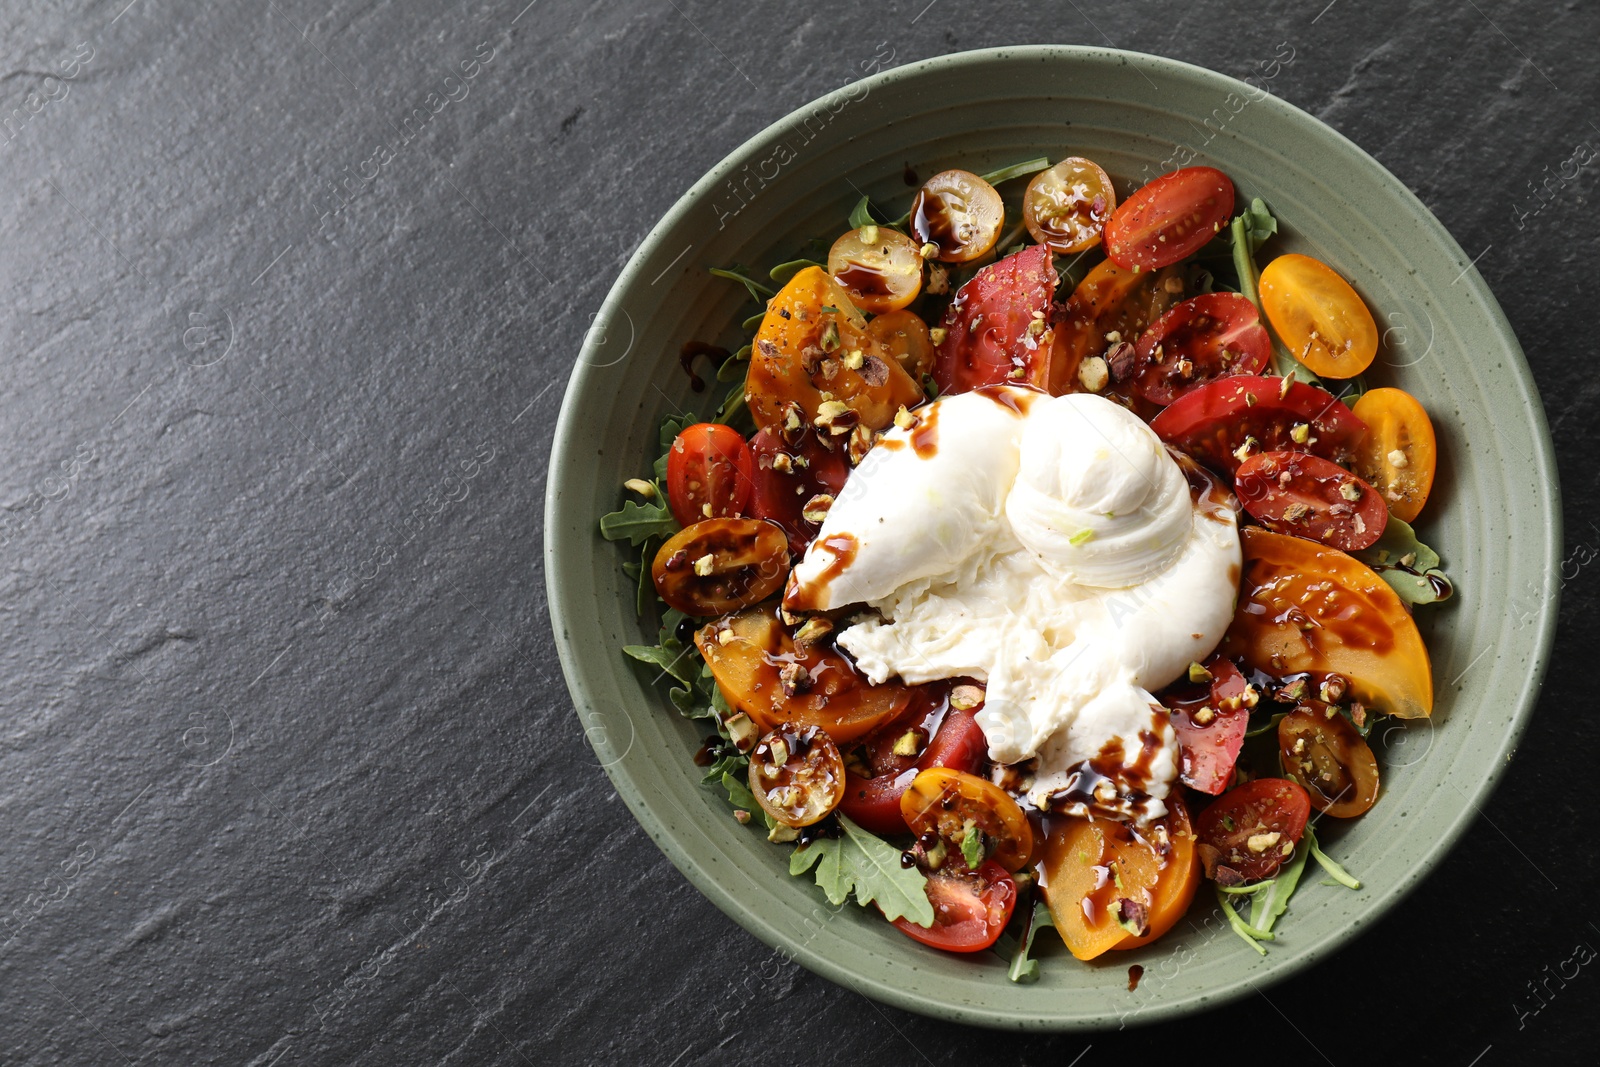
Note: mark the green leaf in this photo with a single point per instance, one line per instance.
(1016, 170)
(671, 427)
(754, 322)
(1419, 581)
(637, 523)
(1024, 969)
(680, 662)
(739, 794)
(784, 271)
(1270, 726)
(1339, 875)
(861, 214)
(1266, 907)
(858, 862)
(972, 845)
(647, 587)
(1258, 224)
(758, 292)
(1248, 933)
(930, 387)
(735, 367)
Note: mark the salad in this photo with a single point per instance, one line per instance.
(1040, 573)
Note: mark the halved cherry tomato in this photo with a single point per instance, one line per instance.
(957, 742)
(1322, 751)
(708, 473)
(796, 774)
(789, 476)
(763, 673)
(1109, 306)
(1253, 829)
(809, 343)
(1210, 722)
(970, 909)
(905, 336)
(1067, 206)
(1204, 338)
(1319, 318)
(996, 328)
(721, 565)
(958, 213)
(1098, 870)
(953, 803)
(1306, 607)
(1169, 219)
(1298, 493)
(1215, 421)
(880, 268)
(1396, 423)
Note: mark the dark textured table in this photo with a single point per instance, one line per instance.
(288, 771)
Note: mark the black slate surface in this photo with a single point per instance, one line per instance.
(288, 771)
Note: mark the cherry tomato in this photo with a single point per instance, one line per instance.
(721, 565)
(996, 328)
(952, 803)
(1099, 870)
(813, 341)
(1396, 423)
(1206, 337)
(1210, 722)
(1169, 219)
(957, 742)
(970, 909)
(1322, 751)
(1067, 206)
(763, 673)
(958, 213)
(1253, 829)
(905, 336)
(790, 476)
(880, 268)
(1301, 494)
(1304, 607)
(1256, 414)
(1110, 306)
(796, 774)
(708, 473)
(1319, 318)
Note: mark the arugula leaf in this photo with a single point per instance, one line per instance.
(1419, 581)
(638, 522)
(732, 410)
(1265, 908)
(735, 367)
(1024, 969)
(870, 867)
(861, 214)
(1247, 233)
(1269, 726)
(758, 292)
(647, 587)
(1016, 170)
(739, 794)
(676, 662)
(754, 322)
(1339, 875)
(1248, 933)
(784, 271)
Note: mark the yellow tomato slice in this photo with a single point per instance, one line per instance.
(880, 268)
(1318, 317)
(943, 800)
(1399, 454)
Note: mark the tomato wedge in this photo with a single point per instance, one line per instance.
(1210, 722)
(1326, 755)
(790, 476)
(1319, 318)
(1206, 337)
(1301, 494)
(1097, 871)
(1252, 830)
(1169, 219)
(1250, 413)
(1399, 453)
(1304, 607)
(953, 803)
(957, 742)
(708, 473)
(1110, 306)
(720, 565)
(996, 329)
(970, 909)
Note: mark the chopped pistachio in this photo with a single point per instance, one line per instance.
(966, 697)
(1350, 491)
(1205, 716)
(1262, 842)
(642, 487)
(938, 334)
(705, 564)
(853, 359)
(777, 752)
(869, 234)
(1094, 373)
(781, 834)
(811, 631)
(1408, 559)
(1300, 433)
(1198, 673)
(929, 250)
(908, 743)
(1283, 390)
(830, 337)
(816, 509)
(938, 280)
(1397, 459)
(742, 731)
(904, 419)
(740, 815)
(1081, 537)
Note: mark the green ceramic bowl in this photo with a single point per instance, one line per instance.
(1494, 515)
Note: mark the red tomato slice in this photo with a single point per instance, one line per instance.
(1204, 338)
(990, 336)
(708, 473)
(1212, 422)
(1210, 722)
(1253, 829)
(970, 909)
(784, 485)
(958, 743)
(1304, 495)
(1169, 219)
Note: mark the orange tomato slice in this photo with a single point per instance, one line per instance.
(1318, 316)
(1108, 300)
(1396, 423)
(906, 337)
(943, 800)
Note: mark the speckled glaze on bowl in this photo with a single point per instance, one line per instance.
(1494, 516)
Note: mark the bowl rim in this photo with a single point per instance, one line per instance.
(749, 917)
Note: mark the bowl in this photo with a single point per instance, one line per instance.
(1494, 515)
